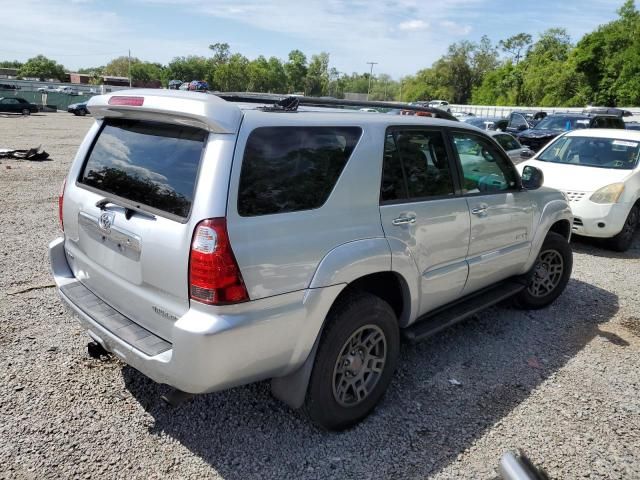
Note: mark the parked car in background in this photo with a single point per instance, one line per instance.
(174, 84)
(79, 109)
(302, 242)
(632, 125)
(17, 105)
(369, 109)
(488, 123)
(9, 86)
(441, 104)
(198, 86)
(553, 125)
(517, 153)
(598, 170)
(520, 121)
(47, 89)
(67, 90)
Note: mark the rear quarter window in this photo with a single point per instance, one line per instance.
(287, 169)
(147, 163)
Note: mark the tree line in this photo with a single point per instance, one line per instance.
(602, 68)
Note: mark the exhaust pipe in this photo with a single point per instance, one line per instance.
(176, 397)
(95, 350)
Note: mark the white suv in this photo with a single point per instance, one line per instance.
(210, 243)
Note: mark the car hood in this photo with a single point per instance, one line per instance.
(568, 177)
(539, 133)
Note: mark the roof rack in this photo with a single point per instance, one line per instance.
(286, 102)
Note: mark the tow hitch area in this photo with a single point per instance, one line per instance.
(95, 350)
(176, 397)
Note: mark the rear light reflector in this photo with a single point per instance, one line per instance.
(214, 275)
(129, 101)
(61, 202)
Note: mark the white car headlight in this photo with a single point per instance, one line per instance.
(609, 194)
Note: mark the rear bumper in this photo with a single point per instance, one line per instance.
(210, 350)
(599, 220)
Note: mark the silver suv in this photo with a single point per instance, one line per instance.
(210, 243)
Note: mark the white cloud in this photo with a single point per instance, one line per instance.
(413, 25)
(455, 28)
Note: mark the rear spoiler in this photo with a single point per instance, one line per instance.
(186, 108)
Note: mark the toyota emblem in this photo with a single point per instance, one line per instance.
(105, 221)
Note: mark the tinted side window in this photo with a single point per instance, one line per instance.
(507, 142)
(483, 166)
(416, 166)
(286, 169)
(517, 120)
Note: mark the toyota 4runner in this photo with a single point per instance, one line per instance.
(210, 243)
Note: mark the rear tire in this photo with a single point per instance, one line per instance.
(26, 111)
(550, 274)
(356, 358)
(622, 241)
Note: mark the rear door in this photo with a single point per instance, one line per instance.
(419, 208)
(501, 212)
(128, 218)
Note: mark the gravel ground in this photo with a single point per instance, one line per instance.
(561, 383)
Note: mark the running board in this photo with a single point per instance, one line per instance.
(448, 315)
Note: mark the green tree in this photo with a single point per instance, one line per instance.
(516, 45)
(10, 64)
(187, 69)
(258, 73)
(119, 67)
(296, 69)
(232, 75)
(277, 76)
(42, 68)
(317, 79)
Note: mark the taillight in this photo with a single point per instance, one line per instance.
(214, 275)
(61, 202)
(129, 101)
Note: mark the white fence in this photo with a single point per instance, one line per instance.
(495, 111)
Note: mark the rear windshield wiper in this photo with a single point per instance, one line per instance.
(128, 211)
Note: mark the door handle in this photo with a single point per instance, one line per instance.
(404, 220)
(480, 210)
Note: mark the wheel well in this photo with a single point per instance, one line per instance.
(562, 227)
(386, 285)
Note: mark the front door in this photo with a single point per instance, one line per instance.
(421, 212)
(501, 212)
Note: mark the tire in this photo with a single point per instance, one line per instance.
(82, 112)
(332, 401)
(550, 274)
(26, 111)
(622, 241)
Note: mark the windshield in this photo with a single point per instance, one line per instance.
(593, 152)
(561, 124)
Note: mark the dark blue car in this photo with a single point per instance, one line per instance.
(78, 109)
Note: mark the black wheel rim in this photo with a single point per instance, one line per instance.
(359, 366)
(547, 273)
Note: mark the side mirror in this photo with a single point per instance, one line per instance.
(522, 128)
(532, 178)
(526, 153)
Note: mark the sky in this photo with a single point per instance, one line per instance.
(402, 36)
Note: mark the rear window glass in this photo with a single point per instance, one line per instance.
(148, 163)
(286, 169)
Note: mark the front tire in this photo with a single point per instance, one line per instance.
(622, 241)
(356, 358)
(550, 274)
(26, 111)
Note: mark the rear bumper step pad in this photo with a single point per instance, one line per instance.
(113, 321)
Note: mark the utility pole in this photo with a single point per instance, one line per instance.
(129, 68)
(370, 75)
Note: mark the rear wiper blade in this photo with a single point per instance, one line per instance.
(128, 211)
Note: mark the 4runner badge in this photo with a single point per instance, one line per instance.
(105, 221)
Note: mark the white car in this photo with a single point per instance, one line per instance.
(598, 171)
(441, 104)
(47, 89)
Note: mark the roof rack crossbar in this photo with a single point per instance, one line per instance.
(275, 99)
